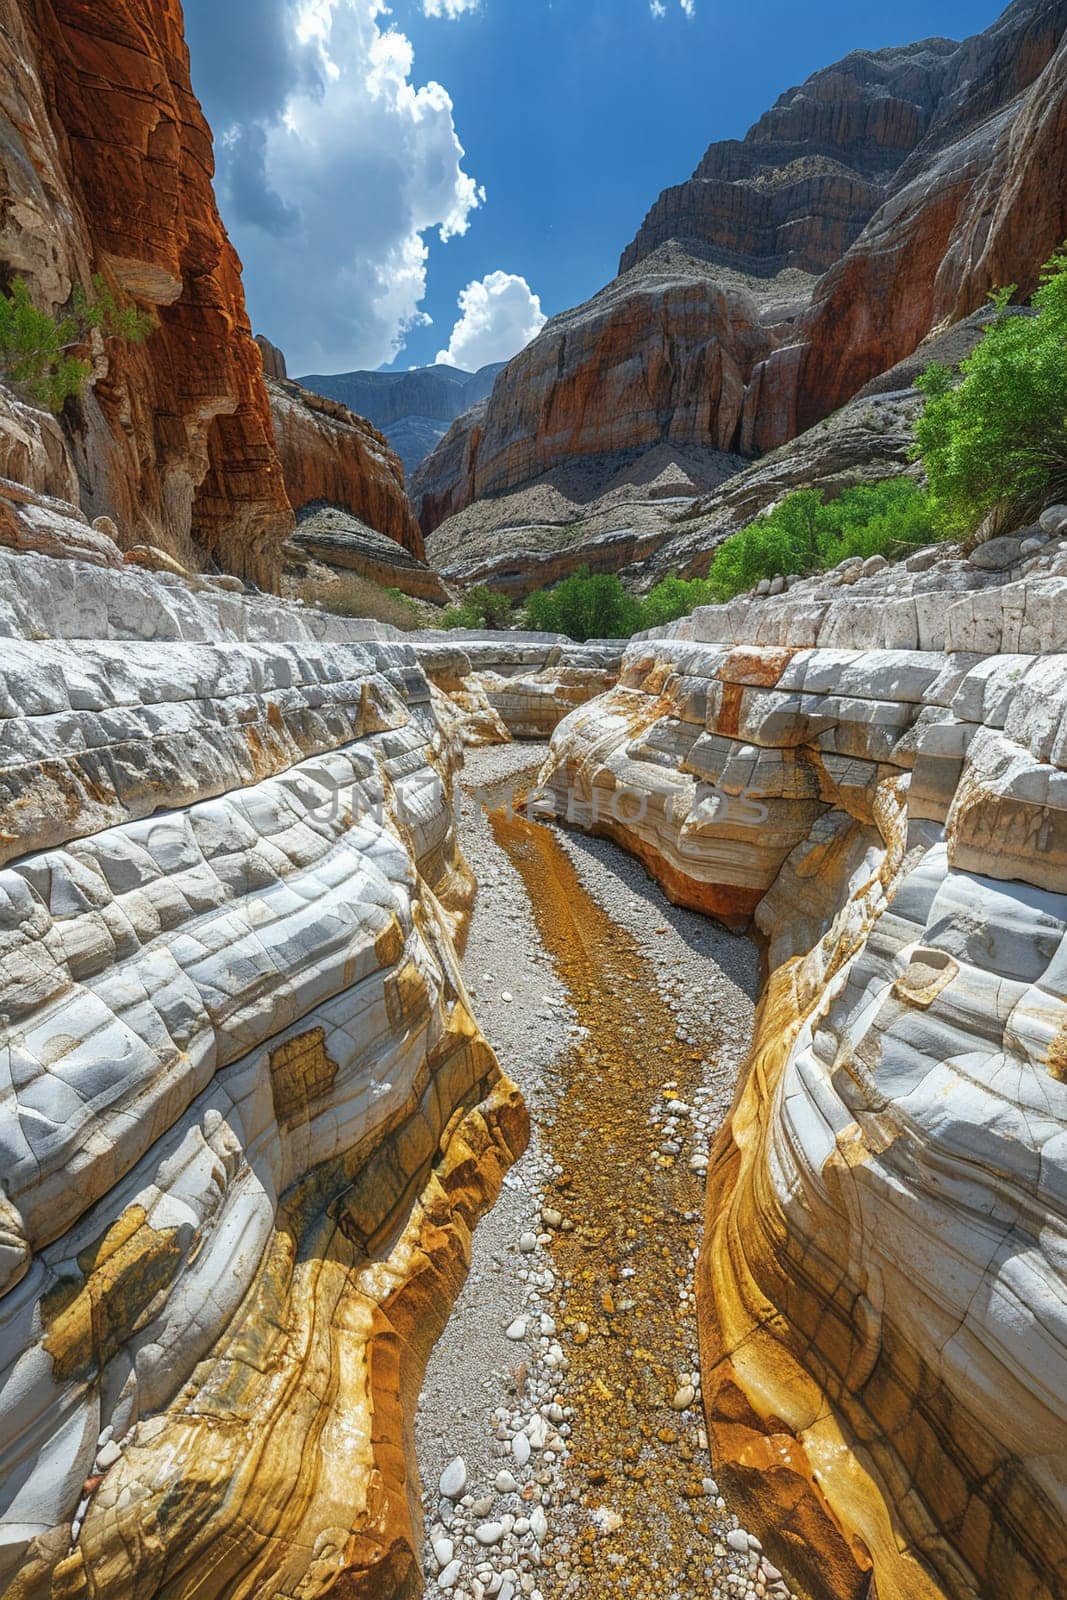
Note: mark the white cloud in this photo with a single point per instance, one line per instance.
(330, 188)
(657, 8)
(448, 8)
(501, 314)
(689, 7)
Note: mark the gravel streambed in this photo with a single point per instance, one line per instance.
(559, 1431)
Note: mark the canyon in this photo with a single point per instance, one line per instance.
(871, 209)
(414, 409)
(486, 1115)
(107, 170)
(252, 1122)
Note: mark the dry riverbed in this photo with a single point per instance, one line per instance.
(559, 1434)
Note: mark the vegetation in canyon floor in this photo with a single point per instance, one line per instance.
(352, 596)
(808, 533)
(38, 350)
(993, 440)
(481, 608)
(585, 606)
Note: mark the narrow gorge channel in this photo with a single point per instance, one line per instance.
(562, 1408)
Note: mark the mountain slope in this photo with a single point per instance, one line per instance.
(913, 180)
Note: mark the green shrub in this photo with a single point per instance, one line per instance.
(995, 439)
(350, 595)
(586, 607)
(481, 608)
(808, 533)
(673, 598)
(35, 348)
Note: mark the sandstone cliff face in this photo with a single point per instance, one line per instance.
(663, 354)
(797, 190)
(878, 779)
(413, 409)
(913, 180)
(274, 365)
(981, 202)
(253, 1121)
(333, 457)
(107, 166)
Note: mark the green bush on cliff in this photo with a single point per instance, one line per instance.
(808, 533)
(993, 441)
(35, 347)
(586, 606)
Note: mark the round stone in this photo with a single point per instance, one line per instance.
(454, 1479)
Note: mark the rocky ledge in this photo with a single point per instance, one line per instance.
(248, 1120)
(876, 777)
(247, 1117)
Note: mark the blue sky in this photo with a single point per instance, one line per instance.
(374, 164)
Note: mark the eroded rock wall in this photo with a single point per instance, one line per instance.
(880, 785)
(662, 354)
(869, 209)
(248, 1120)
(107, 167)
(981, 203)
(507, 689)
(332, 457)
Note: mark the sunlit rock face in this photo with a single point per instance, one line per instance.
(247, 1120)
(869, 209)
(331, 456)
(510, 688)
(106, 165)
(882, 1289)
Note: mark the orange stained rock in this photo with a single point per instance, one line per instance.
(281, 1469)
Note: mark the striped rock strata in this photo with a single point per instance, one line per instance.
(880, 783)
(510, 688)
(247, 1120)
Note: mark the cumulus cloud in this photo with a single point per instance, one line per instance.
(500, 315)
(658, 8)
(334, 166)
(448, 8)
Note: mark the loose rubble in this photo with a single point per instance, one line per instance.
(536, 1509)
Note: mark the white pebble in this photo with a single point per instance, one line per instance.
(454, 1479)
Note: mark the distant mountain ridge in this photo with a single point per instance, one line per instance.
(872, 206)
(414, 409)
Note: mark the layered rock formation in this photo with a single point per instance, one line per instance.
(332, 457)
(913, 180)
(661, 355)
(248, 1119)
(516, 686)
(343, 542)
(413, 409)
(613, 513)
(274, 365)
(876, 777)
(798, 189)
(107, 167)
(981, 202)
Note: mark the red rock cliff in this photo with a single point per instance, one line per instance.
(330, 455)
(913, 179)
(981, 202)
(107, 167)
